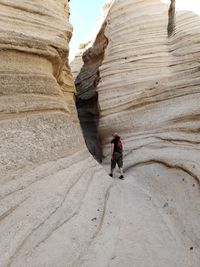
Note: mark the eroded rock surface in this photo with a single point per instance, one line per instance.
(149, 93)
(87, 97)
(50, 186)
(57, 205)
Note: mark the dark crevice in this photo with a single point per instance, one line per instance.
(87, 96)
(171, 22)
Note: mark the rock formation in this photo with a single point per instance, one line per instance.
(58, 207)
(46, 173)
(149, 93)
(86, 81)
(87, 97)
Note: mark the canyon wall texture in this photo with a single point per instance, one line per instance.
(87, 97)
(149, 92)
(149, 81)
(58, 207)
(46, 173)
(86, 79)
(154, 102)
(37, 92)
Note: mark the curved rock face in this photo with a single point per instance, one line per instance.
(149, 93)
(46, 173)
(149, 88)
(87, 77)
(37, 102)
(57, 205)
(87, 96)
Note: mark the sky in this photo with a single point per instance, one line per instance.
(189, 5)
(84, 14)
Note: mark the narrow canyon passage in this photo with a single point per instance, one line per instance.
(138, 76)
(148, 93)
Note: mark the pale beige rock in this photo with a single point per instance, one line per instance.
(152, 91)
(50, 186)
(34, 45)
(77, 62)
(149, 93)
(57, 205)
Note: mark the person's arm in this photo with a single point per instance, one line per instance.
(112, 150)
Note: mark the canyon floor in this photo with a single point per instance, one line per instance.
(85, 218)
(145, 222)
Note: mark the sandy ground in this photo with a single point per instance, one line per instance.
(148, 222)
(70, 215)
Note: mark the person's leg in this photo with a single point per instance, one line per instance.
(120, 165)
(113, 164)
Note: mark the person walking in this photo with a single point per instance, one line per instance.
(116, 155)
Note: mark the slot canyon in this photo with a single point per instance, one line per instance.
(138, 75)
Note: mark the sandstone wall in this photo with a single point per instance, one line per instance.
(149, 81)
(46, 173)
(85, 70)
(57, 205)
(149, 93)
(37, 92)
(150, 84)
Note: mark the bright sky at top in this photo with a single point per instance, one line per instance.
(189, 5)
(84, 14)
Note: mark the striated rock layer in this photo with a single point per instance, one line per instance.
(50, 186)
(150, 93)
(57, 205)
(87, 77)
(87, 96)
(36, 101)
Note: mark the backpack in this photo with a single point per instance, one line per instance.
(119, 146)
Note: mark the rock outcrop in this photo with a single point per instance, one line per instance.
(86, 79)
(46, 173)
(149, 93)
(58, 207)
(87, 96)
(37, 92)
(149, 84)
(154, 101)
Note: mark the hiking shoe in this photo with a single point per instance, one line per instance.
(111, 175)
(121, 177)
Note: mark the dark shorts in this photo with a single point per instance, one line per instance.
(117, 159)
